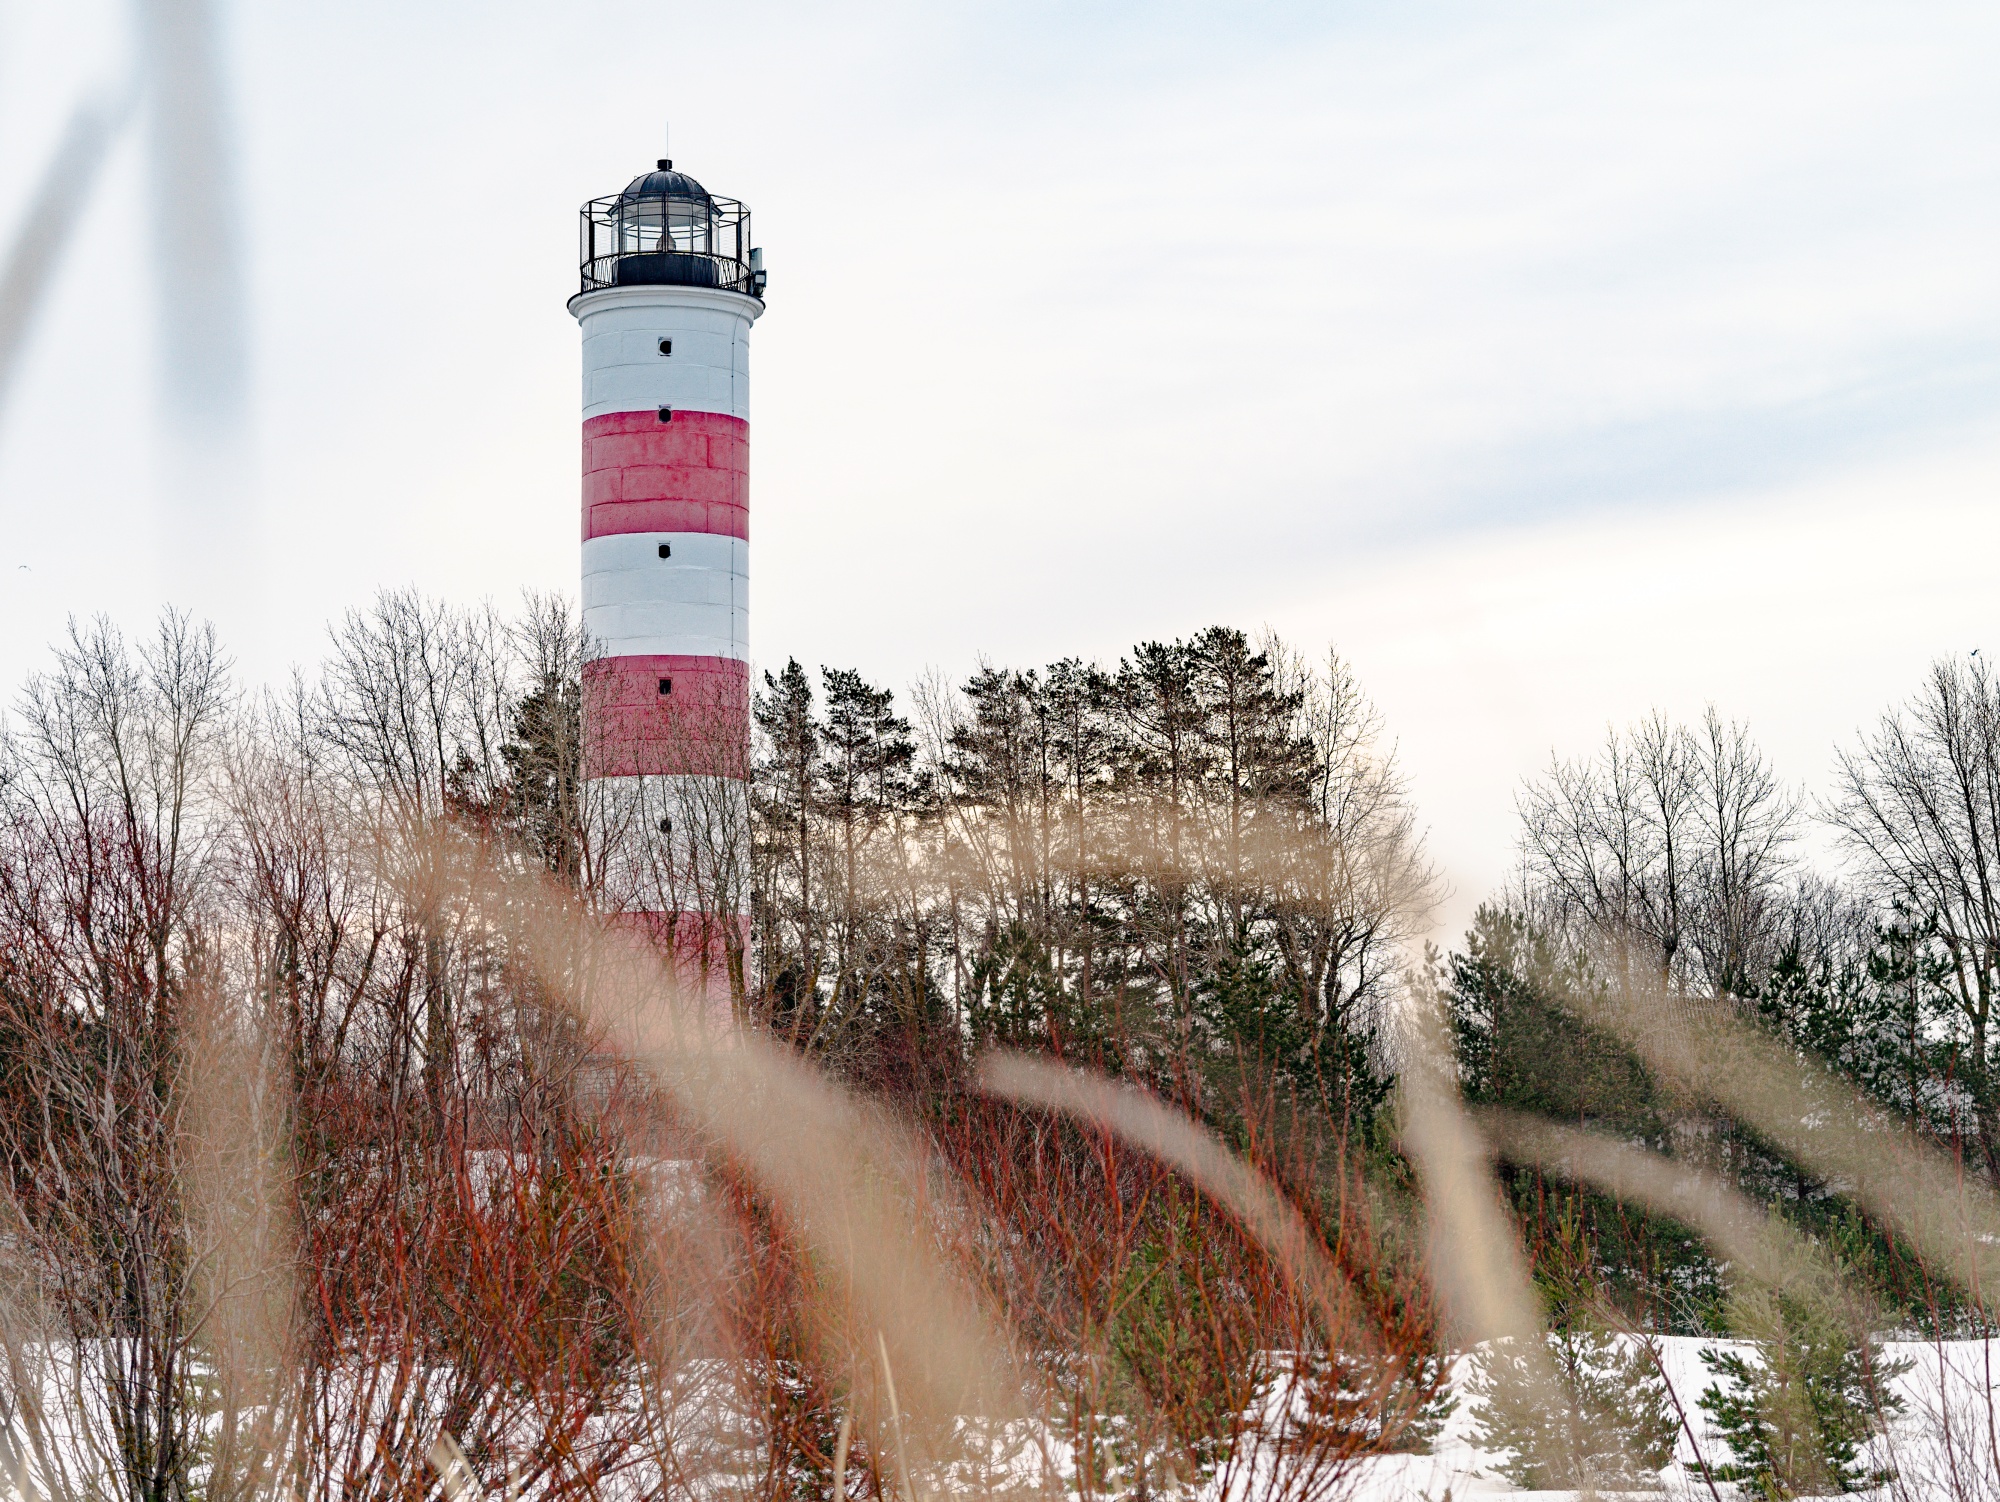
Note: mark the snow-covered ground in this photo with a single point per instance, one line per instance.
(1945, 1445)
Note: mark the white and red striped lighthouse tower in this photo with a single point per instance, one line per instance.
(670, 287)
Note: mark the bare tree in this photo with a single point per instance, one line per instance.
(1919, 805)
(1669, 850)
(1747, 824)
(1352, 885)
(414, 700)
(106, 914)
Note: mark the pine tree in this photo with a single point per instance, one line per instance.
(1515, 996)
(1614, 1427)
(545, 766)
(1882, 1018)
(1799, 1415)
(788, 776)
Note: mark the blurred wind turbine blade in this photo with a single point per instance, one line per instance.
(51, 214)
(196, 234)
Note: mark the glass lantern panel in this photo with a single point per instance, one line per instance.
(688, 227)
(639, 226)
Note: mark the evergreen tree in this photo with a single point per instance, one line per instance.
(545, 770)
(1613, 1424)
(1017, 1000)
(1515, 1000)
(1798, 1416)
(784, 800)
(1881, 1019)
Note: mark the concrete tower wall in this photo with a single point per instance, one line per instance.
(624, 371)
(682, 594)
(665, 524)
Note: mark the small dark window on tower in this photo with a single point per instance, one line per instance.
(666, 826)
(666, 550)
(666, 685)
(666, 414)
(666, 346)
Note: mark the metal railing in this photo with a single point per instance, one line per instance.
(675, 242)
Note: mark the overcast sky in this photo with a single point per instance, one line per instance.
(1552, 362)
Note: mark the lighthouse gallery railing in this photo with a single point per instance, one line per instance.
(676, 242)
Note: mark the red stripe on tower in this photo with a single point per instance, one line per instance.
(670, 288)
(687, 472)
(666, 715)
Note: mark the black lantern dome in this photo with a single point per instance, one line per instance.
(666, 229)
(664, 182)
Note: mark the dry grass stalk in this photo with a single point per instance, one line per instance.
(1707, 1051)
(853, 1183)
(1753, 1241)
(840, 1457)
(1150, 1125)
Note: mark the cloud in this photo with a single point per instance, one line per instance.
(1095, 323)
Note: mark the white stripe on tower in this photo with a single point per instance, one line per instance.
(708, 370)
(666, 405)
(654, 594)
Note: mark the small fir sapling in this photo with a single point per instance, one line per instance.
(1616, 1425)
(1615, 1428)
(1800, 1410)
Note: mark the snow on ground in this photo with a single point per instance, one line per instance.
(1945, 1445)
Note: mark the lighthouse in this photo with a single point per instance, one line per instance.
(670, 287)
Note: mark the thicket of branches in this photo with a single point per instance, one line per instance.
(308, 1165)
